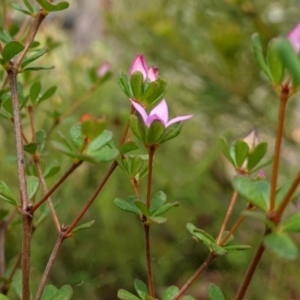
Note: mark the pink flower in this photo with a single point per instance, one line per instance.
(139, 64)
(103, 69)
(294, 38)
(159, 112)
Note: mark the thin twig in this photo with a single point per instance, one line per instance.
(227, 216)
(148, 259)
(123, 138)
(73, 167)
(204, 265)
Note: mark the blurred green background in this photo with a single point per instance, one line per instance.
(203, 50)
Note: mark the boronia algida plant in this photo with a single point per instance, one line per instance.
(147, 129)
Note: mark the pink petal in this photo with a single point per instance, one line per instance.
(103, 69)
(139, 64)
(294, 38)
(153, 73)
(161, 110)
(141, 110)
(178, 119)
(152, 118)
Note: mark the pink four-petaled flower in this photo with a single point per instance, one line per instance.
(160, 113)
(294, 38)
(139, 64)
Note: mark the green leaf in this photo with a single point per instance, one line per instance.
(64, 293)
(35, 91)
(142, 207)
(281, 244)
(47, 6)
(155, 132)
(33, 184)
(49, 93)
(35, 56)
(170, 292)
(171, 132)
(157, 200)
(157, 220)
(62, 148)
(264, 164)
(237, 247)
(140, 288)
(164, 208)
(290, 59)
(225, 150)
(3, 297)
(39, 68)
(135, 127)
(7, 195)
(200, 234)
(135, 166)
(154, 92)
(100, 141)
(84, 226)
(20, 8)
(239, 151)
(256, 192)
(258, 55)
(17, 283)
(11, 49)
(274, 62)
(76, 135)
(260, 216)
(125, 85)
(291, 224)
(52, 169)
(31, 148)
(218, 250)
(29, 7)
(136, 82)
(105, 154)
(127, 147)
(282, 191)
(49, 292)
(188, 298)
(255, 157)
(125, 295)
(126, 206)
(214, 292)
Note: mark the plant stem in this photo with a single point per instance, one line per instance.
(92, 198)
(228, 213)
(36, 159)
(252, 267)
(284, 96)
(132, 110)
(51, 260)
(56, 185)
(148, 259)
(204, 265)
(232, 230)
(151, 151)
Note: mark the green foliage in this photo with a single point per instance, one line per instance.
(291, 224)
(10, 50)
(33, 184)
(6, 194)
(215, 293)
(48, 7)
(53, 293)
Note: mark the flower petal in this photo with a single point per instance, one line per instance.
(161, 110)
(151, 118)
(141, 111)
(139, 64)
(294, 38)
(153, 73)
(178, 119)
(103, 69)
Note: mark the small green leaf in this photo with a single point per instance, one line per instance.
(171, 132)
(125, 85)
(260, 216)
(47, 6)
(29, 7)
(3, 297)
(290, 59)
(105, 154)
(157, 220)
(164, 208)
(258, 55)
(136, 165)
(39, 68)
(52, 169)
(136, 82)
(170, 292)
(76, 135)
(218, 250)
(84, 226)
(49, 93)
(35, 91)
(225, 150)
(20, 8)
(256, 192)
(200, 234)
(127, 147)
(100, 141)
(31, 148)
(255, 157)
(49, 292)
(157, 200)
(281, 244)
(33, 184)
(125, 295)
(62, 148)
(135, 127)
(291, 224)
(274, 62)
(142, 207)
(140, 288)
(239, 151)
(155, 132)
(11, 49)
(7, 195)
(282, 191)
(215, 293)
(237, 247)
(35, 56)
(154, 92)
(64, 293)
(126, 206)
(17, 283)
